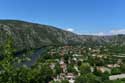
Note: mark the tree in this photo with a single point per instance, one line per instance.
(122, 68)
(80, 79)
(64, 81)
(88, 78)
(115, 71)
(57, 69)
(41, 73)
(8, 59)
(85, 68)
(71, 69)
(104, 75)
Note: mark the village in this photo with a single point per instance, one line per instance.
(76, 63)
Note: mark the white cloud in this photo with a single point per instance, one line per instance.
(99, 33)
(112, 32)
(70, 29)
(119, 31)
(73, 30)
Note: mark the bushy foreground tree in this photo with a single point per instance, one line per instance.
(11, 73)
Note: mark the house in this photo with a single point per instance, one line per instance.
(52, 65)
(63, 65)
(103, 69)
(113, 65)
(115, 77)
(76, 55)
(70, 77)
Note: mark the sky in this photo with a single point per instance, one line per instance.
(97, 17)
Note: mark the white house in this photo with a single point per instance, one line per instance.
(115, 77)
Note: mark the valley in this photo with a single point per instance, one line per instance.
(36, 53)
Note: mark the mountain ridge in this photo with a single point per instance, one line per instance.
(33, 35)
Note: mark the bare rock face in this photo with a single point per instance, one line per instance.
(31, 35)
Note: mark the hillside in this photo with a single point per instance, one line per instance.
(32, 35)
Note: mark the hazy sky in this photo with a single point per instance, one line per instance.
(80, 16)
